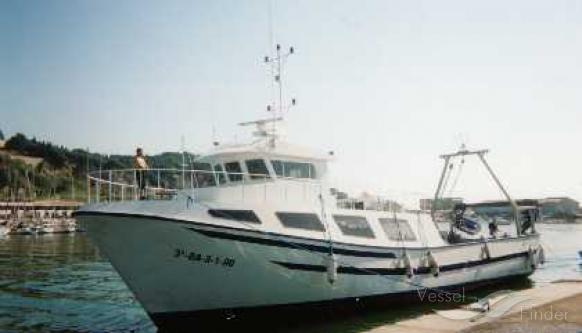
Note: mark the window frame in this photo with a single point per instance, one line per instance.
(204, 179)
(257, 175)
(407, 236)
(234, 176)
(317, 226)
(339, 219)
(224, 214)
(311, 169)
(220, 175)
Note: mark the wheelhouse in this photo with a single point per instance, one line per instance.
(231, 165)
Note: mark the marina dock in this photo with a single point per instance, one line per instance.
(555, 307)
(40, 217)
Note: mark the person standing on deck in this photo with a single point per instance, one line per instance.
(140, 165)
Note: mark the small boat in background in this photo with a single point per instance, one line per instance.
(20, 230)
(56, 226)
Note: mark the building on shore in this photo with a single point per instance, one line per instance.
(447, 203)
(559, 207)
(367, 201)
(552, 208)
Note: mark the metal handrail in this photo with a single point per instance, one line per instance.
(117, 182)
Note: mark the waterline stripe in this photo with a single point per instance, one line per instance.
(397, 271)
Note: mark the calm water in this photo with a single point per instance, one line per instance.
(60, 283)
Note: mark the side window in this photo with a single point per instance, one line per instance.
(219, 172)
(306, 221)
(397, 229)
(278, 167)
(294, 169)
(354, 226)
(311, 169)
(257, 168)
(234, 171)
(235, 215)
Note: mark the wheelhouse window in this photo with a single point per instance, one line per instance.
(354, 226)
(235, 215)
(234, 171)
(305, 221)
(257, 169)
(204, 176)
(219, 172)
(294, 169)
(397, 229)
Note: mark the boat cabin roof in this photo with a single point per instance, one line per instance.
(265, 149)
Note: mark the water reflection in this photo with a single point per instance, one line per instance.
(59, 282)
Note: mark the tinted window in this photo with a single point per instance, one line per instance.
(354, 226)
(300, 221)
(236, 215)
(202, 166)
(257, 168)
(219, 172)
(397, 229)
(294, 169)
(203, 179)
(234, 171)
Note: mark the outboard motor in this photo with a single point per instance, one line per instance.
(465, 224)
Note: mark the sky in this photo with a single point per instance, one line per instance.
(387, 85)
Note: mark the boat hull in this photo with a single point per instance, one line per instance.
(272, 317)
(181, 268)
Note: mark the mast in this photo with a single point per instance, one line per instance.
(277, 108)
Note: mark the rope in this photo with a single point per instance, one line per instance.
(447, 177)
(459, 171)
(327, 229)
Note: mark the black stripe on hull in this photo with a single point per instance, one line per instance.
(399, 271)
(293, 245)
(227, 229)
(226, 233)
(296, 317)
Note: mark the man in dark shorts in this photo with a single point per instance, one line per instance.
(140, 165)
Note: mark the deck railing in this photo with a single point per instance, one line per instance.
(163, 184)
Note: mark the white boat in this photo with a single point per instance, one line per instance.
(255, 227)
(20, 230)
(57, 226)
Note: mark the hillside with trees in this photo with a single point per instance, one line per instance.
(32, 169)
